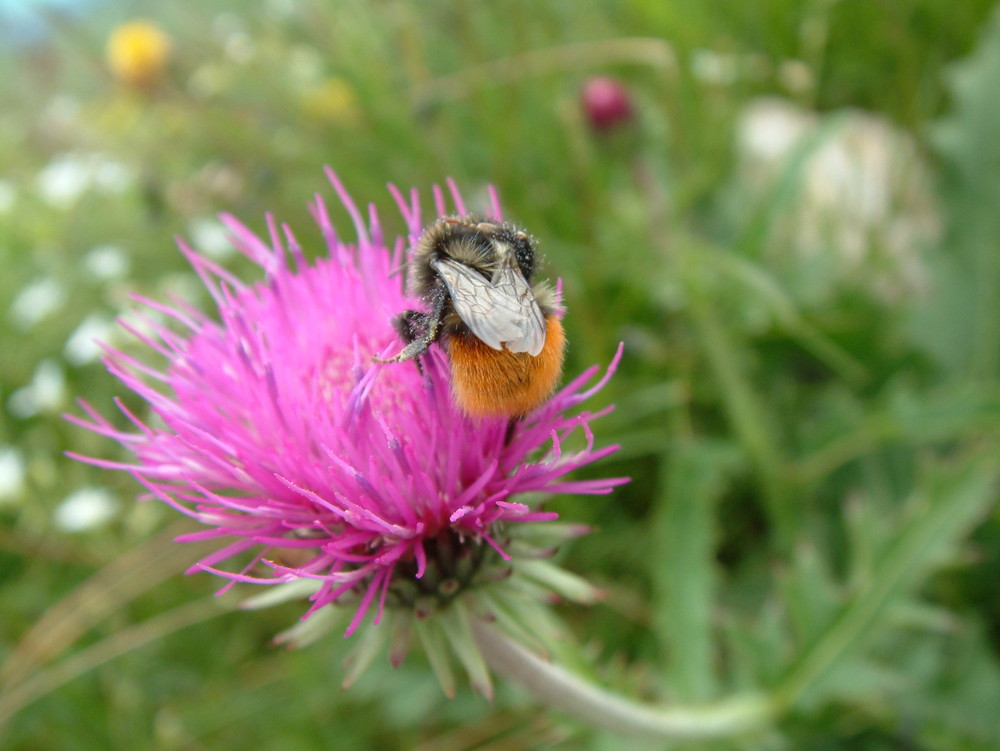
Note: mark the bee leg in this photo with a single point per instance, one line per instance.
(411, 325)
(419, 330)
(509, 435)
(413, 330)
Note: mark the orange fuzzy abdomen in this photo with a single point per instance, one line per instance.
(486, 381)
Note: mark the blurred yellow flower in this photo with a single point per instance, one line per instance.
(333, 101)
(137, 53)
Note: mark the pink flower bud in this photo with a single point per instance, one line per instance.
(606, 103)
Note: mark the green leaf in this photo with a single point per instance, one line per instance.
(757, 648)
(967, 270)
(682, 563)
(949, 500)
(811, 594)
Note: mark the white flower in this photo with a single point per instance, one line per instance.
(11, 474)
(852, 195)
(211, 238)
(106, 262)
(68, 176)
(83, 345)
(45, 393)
(37, 301)
(85, 509)
(715, 68)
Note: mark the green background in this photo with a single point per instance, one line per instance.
(812, 436)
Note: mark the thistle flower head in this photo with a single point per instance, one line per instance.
(357, 484)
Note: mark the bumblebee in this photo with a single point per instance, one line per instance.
(503, 337)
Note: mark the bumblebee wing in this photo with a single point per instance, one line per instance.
(497, 313)
(514, 286)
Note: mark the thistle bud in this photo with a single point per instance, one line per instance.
(606, 103)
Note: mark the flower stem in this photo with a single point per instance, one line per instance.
(597, 707)
(747, 412)
(647, 51)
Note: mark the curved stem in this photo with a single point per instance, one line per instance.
(597, 707)
(647, 51)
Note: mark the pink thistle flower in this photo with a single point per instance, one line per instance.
(354, 483)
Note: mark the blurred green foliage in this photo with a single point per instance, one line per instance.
(811, 428)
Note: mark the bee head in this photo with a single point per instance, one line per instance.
(524, 253)
(474, 241)
(492, 240)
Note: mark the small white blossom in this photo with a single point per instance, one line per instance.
(106, 262)
(68, 176)
(37, 301)
(45, 393)
(716, 68)
(210, 237)
(11, 474)
(85, 509)
(83, 345)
